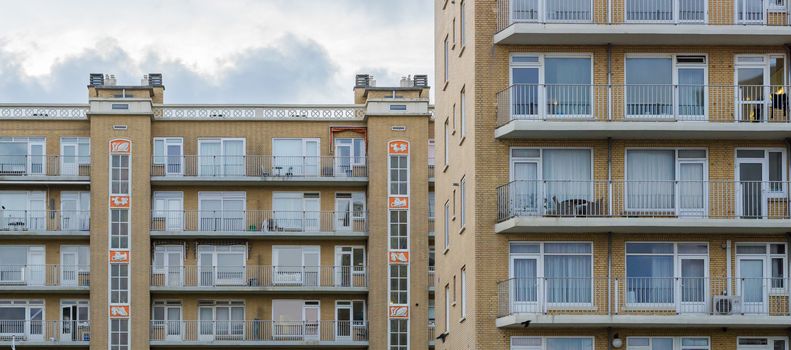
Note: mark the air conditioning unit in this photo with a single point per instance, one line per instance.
(727, 305)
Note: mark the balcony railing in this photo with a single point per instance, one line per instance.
(736, 12)
(432, 276)
(44, 111)
(257, 331)
(259, 112)
(713, 103)
(42, 165)
(656, 199)
(264, 221)
(44, 220)
(38, 331)
(280, 167)
(646, 296)
(432, 327)
(431, 224)
(288, 277)
(44, 276)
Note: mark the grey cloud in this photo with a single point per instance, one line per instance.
(292, 70)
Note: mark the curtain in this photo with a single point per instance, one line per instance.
(649, 90)
(525, 287)
(568, 82)
(569, 344)
(567, 173)
(207, 158)
(650, 176)
(691, 93)
(234, 157)
(525, 189)
(288, 212)
(568, 278)
(691, 187)
(649, 279)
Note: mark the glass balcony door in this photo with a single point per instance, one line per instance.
(666, 11)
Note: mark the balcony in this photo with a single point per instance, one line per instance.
(431, 232)
(43, 111)
(431, 333)
(432, 277)
(259, 224)
(44, 278)
(189, 334)
(640, 22)
(643, 206)
(291, 279)
(540, 111)
(260, 170)
(45, 223)
(41, 169)
(431, 168)
(45, 334)
(644, 302)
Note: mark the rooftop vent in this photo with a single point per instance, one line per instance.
(364, 81)
(109, 79)
(96, 79)
(420, 80)
(407, 81)
(155, 79)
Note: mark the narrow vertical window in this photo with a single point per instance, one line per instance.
(119, 228)
(119, 283)
(461, 23)
(119, 174)
(447, 308)
(119, 334)
(445, 139)
(463, 292)
(462, 113)
(446, 225)
(398, 230)
(445, 59)
(463, 202)
(399, 284)
(399, 175)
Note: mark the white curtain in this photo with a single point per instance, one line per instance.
(568, 277)
(569, 344)
(567, 173)
(208, 158)
(691, 186)
(525, 287)
(234, 157)
(650, 176)
(288, 212)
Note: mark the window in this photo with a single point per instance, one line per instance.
(761, 81)
(762, 343)
(558, 177)
(23, 210)
(168, 211)
(75, 210)
(551, 343)
(667, 343)
(223, 319)
(461, 23)
(75, 261)
(762, 175)
(166, 319)
(120, 173)
(445, 139)
(431, 154)
(445, 57)
(221, 157)
(296, 265)
(21, 264)
(399, 233)
(399, 284)
(431, 203)
(650, 87)
(350, 318)
(447, 309)
(349, 153)
(562, 270)
(222, 264)
(222, 211)
(431, 311)
(399, 175)
(22, 156)
(463, 206)
(168, 153)
(119, 228)
(399, 334)
(30, 312)
(446, 225)
(656, 271)
(453, 30)
(564, 80)
(300, 212)
(75, 153)
(667, 180)
(349, 209)
(463, 113)
(757, 263)
(167, 267)
(350, 266)
(463, 292)
(119, 283)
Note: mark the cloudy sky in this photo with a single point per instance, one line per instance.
(212, 51)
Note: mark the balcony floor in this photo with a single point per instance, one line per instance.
(46, 180)
(17, 234)
(641, 34)
(259, 181)
(333, 235)
(42, 344)
(5, 288)
(259, 344)
(525, 224)
(262, 289)
(538, 129)
(643, 321)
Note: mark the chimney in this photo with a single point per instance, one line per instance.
(362, 81)
(96, 79)
(421, 80)
(407, 81)
(155, 79)
(109, 79)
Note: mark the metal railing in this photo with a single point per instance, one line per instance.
(259, 276)
(735, 12)
(431, 229)
(713, 103)
(45, 275)
(43, 111)
(716, 199)
(259, 112)
(432, 327)
(266, 221)
(259, 331)
(44, 220)
(643, 295)
(259, 166)
(43, 165)
(432, 276)
(23, 331)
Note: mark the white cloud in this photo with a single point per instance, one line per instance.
(212, 51)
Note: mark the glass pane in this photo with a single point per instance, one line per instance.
(649, 91)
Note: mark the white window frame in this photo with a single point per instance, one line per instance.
(463, 281)
(32, 217)
(765, 164)
(215, 251)
(768, 257)
(446, 230)
(539, 64)
(406, 181)
(120, 182)
(677, 343)
(675, 65)
(463, 112)
(30, 142)
(765, 64)
(162, 158)
(677, 257)
(446, 56)
(676, 166)
(769, 343)
(79, 143)
(542, 342)
(160, 209)
(462, 203)
(540, 266)
(223, 160)
(356, 159)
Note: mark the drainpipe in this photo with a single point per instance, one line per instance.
(728, 267)
(609, 338)
(609, 176)
(609, 275)
(609, 81)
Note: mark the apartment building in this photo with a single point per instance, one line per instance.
(129, 223)
(613, 174)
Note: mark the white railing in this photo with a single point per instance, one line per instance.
(36, 331)
(641, 295)
(660, 199)
(44, 220)
(43, 111)
(259, 112)
(44, 276)
(42, 165)
(281, 167)
(265, 221)
(259, 276)
(341, 332)
(735, 12)
(713, 103)
(432, 276)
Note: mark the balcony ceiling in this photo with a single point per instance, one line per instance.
(641, 225)
(641, 34)
(644, 321)
(528, 129)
